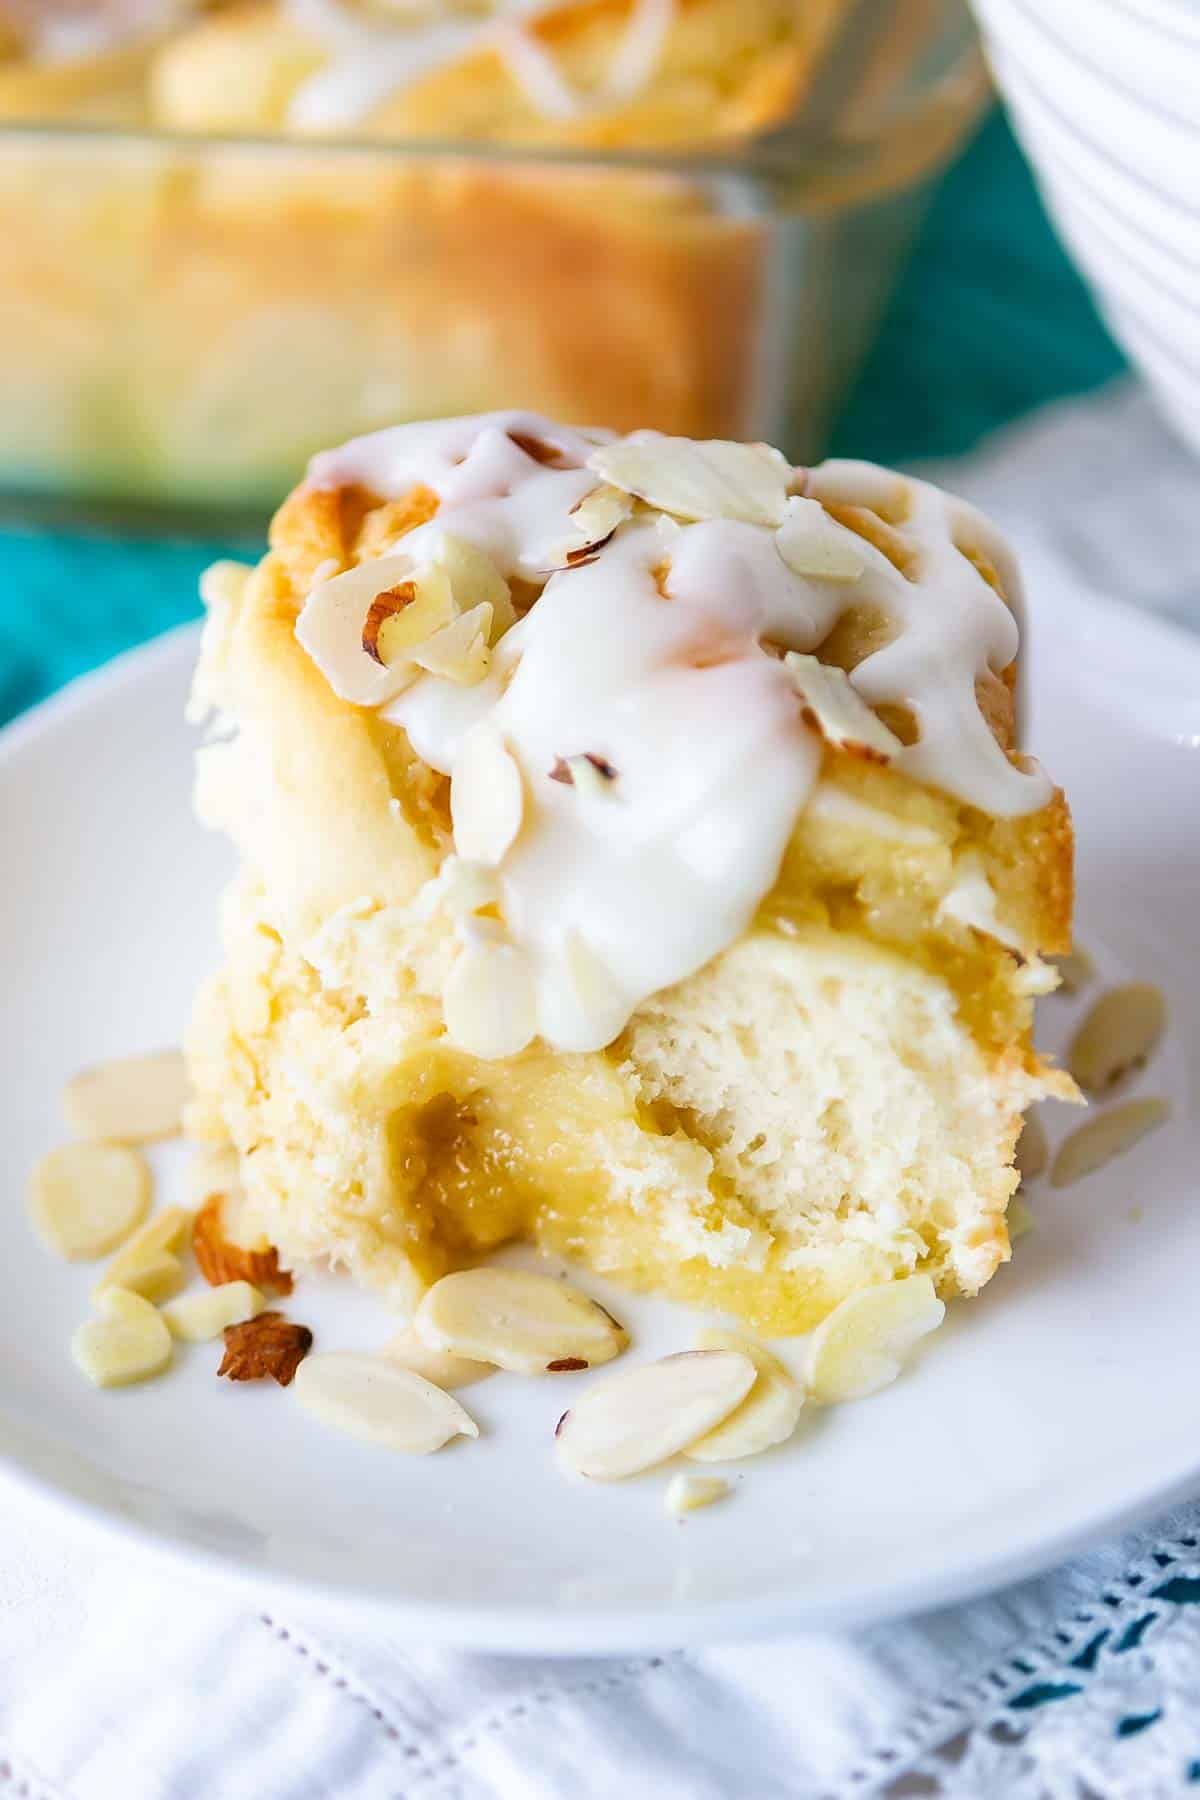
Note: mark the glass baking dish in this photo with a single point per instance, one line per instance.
(185, 319)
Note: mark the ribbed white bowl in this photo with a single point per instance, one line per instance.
(1105, 96)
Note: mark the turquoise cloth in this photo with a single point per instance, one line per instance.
(989, 320)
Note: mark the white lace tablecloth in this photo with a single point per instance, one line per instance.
(118, 1682)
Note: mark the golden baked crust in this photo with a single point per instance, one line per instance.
(398, 1155)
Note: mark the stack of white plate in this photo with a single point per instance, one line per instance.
(1105, 95)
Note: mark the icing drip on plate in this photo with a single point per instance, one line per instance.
(373, 58)
(628, 760)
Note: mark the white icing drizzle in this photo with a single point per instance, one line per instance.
(616, 887)
(371, 60)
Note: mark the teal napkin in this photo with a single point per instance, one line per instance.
(989, 320)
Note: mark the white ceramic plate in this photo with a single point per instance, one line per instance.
(1064, 1401)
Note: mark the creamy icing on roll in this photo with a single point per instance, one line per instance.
(378, 51)
(628, 759)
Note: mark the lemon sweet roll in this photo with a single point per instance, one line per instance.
(636, 859)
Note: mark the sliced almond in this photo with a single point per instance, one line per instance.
(220, 1258)
(442, 1367)
(156, 1276)
(688, 1493)
(335, 617)
(590, 774)
(833, 707)
(375, 1400)
(767, 1415)
(1075, 970)
(1118, 1036)
(716, 479)
(487, 797)
(459, 651)
(128, 1342)
(518, 1321)
(1033, 1151)
(971, 900)
(488, 1002)
(812, 543)
(85, 1199)
(199, 1318)
(861, 1346)
(132, 1101)
(639, 1418)
(476, 581)
(165, 1234)
(1110, 1134)
(593, 522)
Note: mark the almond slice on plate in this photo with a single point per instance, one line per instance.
(133, 1101)
(265, 1347)
(1119, 1035)
(156, 1276)
(688, 1493)
(831, 704)
(529, 1324)
(487, 797)
(85, 1199)
(442, 1367)
(165, 1234)
(1111, 1133)
(767, 1416)
(128, 1342)
(643, 1416)
(861, 1346)
(717, 479)
(199, 1318)
(220, 1260)
(378, 1402)
(812, 543)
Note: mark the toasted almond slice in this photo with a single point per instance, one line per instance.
(487, 797)
(860, 1347)
(155, 1276)
(1109, 1134)
(129, 1342)
(643, 1416)
(832, 706)
(717, 479)
(1119, 1035)
(84, 1199)
(201, 1317)
(168, 1231)
(375, 1400)
(476, 581)
(459, 651)
(518, 1321)
(442, 1367)
(812, 543)
(593, 522)
(1032, 1153)
(766, 1416)
(590, 774)
(971, 900)
(688, 1493)
(488, 1001)
(1075, 970)
(133, 1101)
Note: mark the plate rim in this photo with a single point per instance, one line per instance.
(534, 1629)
